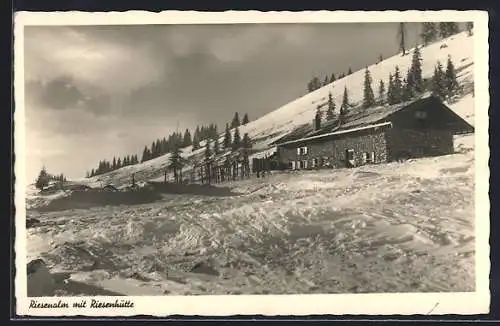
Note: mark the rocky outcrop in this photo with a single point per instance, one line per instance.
(204, 268)
(40, 281)
(32, 222)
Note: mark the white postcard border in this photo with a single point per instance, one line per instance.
(304, 304)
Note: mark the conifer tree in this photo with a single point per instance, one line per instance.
(349, 71)
(176, 163)
(330, 113)
(216, 145)
(247, 145)
(43, 179)
(236, 139)
(345, 103)
(438, 82)
(414, 77)
(451, 82)
(381, 91)
(390, 90)
(187, 141)
(317, 118)
(163, 146)
(236, 121)
(429, 32)
(453, 28)
(332, 78)
(326, 81)
(208, 151)
(397, 89)
(368, 97)
(310, 87)
(245, 119)
(469, 26)
(145, 154)
(153, 150)
(197, 133)
(119, 163)
(380, 58)
(447, 29)
(316, 83)
(196, 141)
(407, 91)
(409, 82)
(227, 138)
(208, 164)
(113, 166)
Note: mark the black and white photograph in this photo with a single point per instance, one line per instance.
(222, 158)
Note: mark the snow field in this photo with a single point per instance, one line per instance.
(410, 226)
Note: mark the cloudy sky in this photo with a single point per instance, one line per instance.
(92, 92)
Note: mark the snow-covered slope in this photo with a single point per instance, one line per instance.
(276, 124)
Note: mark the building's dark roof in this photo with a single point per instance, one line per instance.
(338, 132)
(356, 118)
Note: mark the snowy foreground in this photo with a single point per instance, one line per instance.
(399, 227)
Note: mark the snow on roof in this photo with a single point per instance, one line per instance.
(262, 154)
(372, 115)
(356, 117)
(346, 131)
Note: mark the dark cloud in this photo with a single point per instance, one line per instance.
(62, 93)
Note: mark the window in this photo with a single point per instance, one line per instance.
(420, 114)
(365, 158)
(304, 164)
(292, 165)
(302, 150)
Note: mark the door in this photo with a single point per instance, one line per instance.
(349, 154)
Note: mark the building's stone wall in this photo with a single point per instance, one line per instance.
(408, 143)
(332, 152)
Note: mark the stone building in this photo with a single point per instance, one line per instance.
(422, 127)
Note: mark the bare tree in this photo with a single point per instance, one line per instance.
(402, 37)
